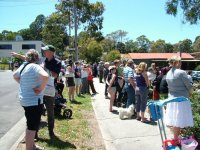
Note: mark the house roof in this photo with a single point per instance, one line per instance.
(125, 56)
(159, 55)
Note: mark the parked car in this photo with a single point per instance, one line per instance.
(196, 76)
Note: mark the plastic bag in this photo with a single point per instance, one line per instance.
(189, 144)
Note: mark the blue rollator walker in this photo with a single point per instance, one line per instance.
(156, 112)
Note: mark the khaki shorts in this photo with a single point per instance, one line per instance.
(77, 81)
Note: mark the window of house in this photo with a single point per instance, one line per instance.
(28, 46)
(5, 46)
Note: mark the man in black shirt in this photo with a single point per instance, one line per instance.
(53, 66)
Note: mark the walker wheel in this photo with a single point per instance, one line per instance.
(67, 113)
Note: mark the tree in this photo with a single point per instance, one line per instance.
(92, 53)
(26, 34)
(185, 46)
(1, 36)
(122, 34)
(89, 15)
(158, 46)
(113, 55)
(168, 48)
(54, 32)
(121, 47)
(196, 44)
(131, 46)
(107, 45)
(190, 9)
(84, 39)
(176, 47)
(143, 44)
(8, 35)
(117, 36)
(36, 27)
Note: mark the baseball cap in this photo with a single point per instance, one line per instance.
(48, 48)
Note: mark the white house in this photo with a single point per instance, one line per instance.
(19, 46)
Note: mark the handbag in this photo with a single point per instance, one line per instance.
(50, 88)
(189, 144)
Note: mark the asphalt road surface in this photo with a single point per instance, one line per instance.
(10, 109)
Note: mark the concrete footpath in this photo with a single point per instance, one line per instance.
(128, 134)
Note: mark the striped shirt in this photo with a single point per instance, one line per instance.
(29, 79)
(128, 73)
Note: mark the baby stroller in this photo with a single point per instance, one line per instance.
(60, 105)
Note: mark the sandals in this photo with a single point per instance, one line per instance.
(145, 121)
(138, 118)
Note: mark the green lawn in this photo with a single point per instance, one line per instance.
(73, 133)
(4, 66)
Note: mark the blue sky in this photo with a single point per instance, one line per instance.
(137, 17)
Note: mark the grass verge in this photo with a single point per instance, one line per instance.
(79, 132)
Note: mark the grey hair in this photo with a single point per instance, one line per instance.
(32, 56)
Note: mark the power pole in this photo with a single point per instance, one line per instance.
(75, 31)
(75, 27)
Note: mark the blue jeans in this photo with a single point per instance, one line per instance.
(141, 98)
(130, 95)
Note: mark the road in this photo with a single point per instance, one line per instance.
(10, 110)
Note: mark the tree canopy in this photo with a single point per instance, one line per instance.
(190, 9)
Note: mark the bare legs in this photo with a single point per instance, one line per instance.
(71, 92)
(112, 98)
(140, 116)
(30, 134)
(176, 131)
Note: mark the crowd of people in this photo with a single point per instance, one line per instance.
(142, 83)
(49, 76)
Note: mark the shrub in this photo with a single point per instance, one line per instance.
(196, 116)
(197, 68)
(112, 55)
(4, 60)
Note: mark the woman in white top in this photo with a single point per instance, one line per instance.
(69, 74)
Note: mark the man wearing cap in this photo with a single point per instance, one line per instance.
(53, 66)
(129, 83)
